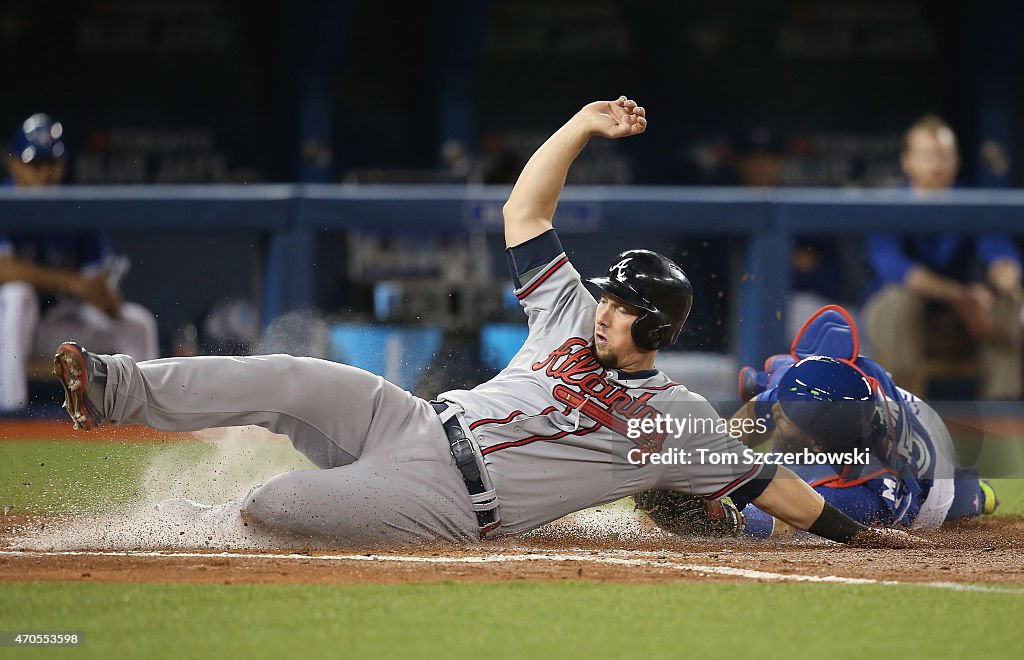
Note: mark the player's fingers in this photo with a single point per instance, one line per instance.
(620, 101)
(641, 122)
(629, 105)
(640, 111)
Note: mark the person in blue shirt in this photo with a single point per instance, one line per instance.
(944, 294)
(58, 285)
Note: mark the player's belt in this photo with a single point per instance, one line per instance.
(470, 462)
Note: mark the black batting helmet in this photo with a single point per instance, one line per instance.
(657, 286)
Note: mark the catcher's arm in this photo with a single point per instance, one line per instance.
(794, 504)
(791, 500)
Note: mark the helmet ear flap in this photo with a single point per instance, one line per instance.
(650, 331)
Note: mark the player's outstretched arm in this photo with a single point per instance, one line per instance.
(791, 500)
(531, 205)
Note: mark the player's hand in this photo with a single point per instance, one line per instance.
(888, 538)
(614, 119)
(975, 309)
(93, 290)
(1005, 277)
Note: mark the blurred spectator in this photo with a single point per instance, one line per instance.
(815, 263)
(943, 294)
(756, 158)
(500, 163)
(58, 285)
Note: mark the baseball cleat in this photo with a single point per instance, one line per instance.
(991, 500)
(79, 371)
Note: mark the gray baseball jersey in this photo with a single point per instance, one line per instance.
(555, 428)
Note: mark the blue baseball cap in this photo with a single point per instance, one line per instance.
(38, 138)
(831, 401)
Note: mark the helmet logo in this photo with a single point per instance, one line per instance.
(620, 268)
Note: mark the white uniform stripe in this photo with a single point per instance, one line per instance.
(608, 558)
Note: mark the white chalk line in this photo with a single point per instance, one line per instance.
(588, 557)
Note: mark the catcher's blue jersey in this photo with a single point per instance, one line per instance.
(912, 478)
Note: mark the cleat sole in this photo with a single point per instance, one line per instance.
(69, 368)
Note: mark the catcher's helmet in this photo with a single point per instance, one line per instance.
(657, 286)
(38, 138)
(832, 402)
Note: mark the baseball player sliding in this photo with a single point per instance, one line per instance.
(560, 429)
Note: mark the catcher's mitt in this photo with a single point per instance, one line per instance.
(690, 515)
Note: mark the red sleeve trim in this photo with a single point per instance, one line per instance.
(542, 277)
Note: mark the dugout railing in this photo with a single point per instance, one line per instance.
(292, 216)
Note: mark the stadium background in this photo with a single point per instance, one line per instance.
(298, 111)
(460, 93)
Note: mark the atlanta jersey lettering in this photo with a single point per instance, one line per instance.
(552, 425)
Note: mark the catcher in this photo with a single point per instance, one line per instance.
(825, 397)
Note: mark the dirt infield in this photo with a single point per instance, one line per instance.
(19, 430)
(978, 551)
(989, 551)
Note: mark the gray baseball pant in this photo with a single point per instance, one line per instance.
(387, 475)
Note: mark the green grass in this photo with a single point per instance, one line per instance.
(453, 620)
(518, 620)
(1001, 461)
(65, 477)
(995, 457)
(62, 477)
(1011, 496)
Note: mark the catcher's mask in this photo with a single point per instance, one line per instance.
(655, 285)
(834, 403)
